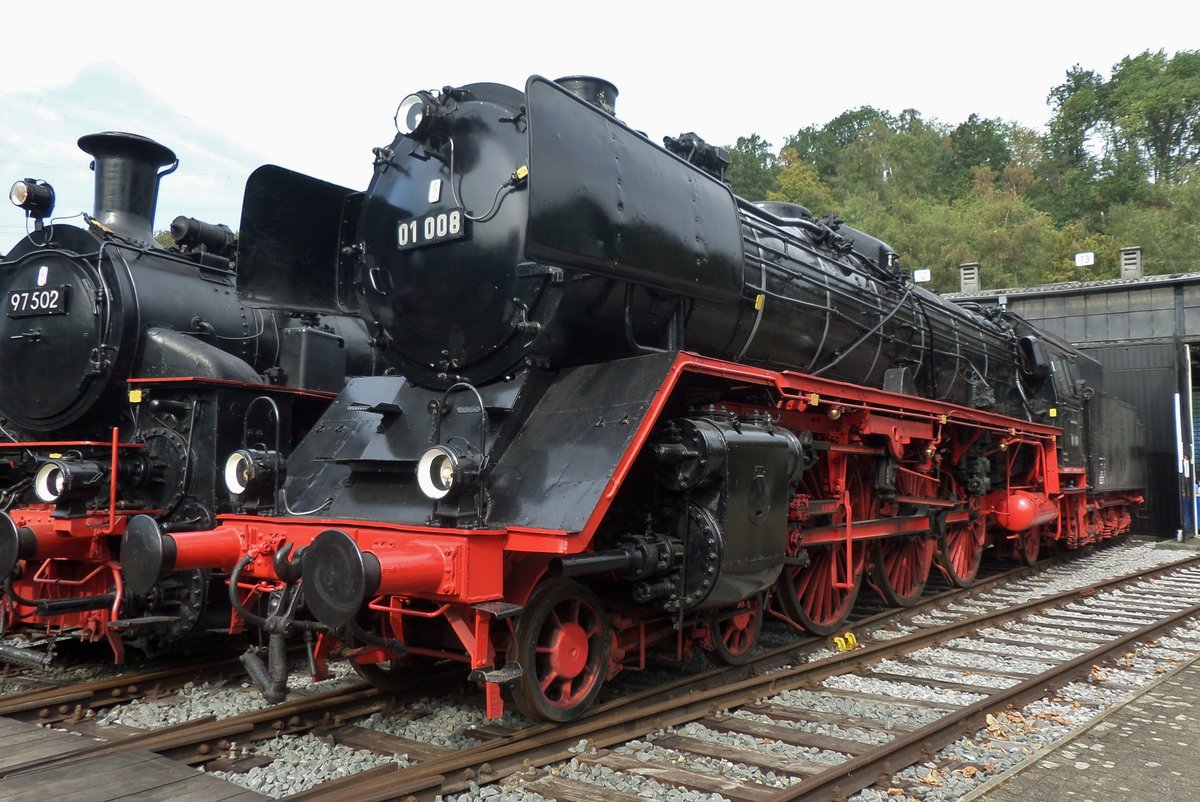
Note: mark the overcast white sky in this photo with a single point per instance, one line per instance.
(313, 86)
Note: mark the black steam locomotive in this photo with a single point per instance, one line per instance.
(637, 414)
(131, 368)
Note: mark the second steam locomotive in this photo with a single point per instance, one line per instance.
(130, 369)
(633, 415)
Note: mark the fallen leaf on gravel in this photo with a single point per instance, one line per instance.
(969, 771)
(931, 778)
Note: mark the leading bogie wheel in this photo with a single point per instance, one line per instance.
(398, 673)
(735, 632)
(390, 676)
(562, 643)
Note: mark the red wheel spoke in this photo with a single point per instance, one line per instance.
(902, 568)
(562, 641)
(735, 633)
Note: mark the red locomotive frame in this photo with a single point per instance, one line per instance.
(472, 582)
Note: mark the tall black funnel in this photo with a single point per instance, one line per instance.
(127, 176)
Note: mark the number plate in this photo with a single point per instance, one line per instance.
(430, 229)
(39, 301)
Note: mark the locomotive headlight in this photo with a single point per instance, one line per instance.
(417, 112)
(248, 470)
(35, 197)
(62, 480)
(443, 472)
(48, 483)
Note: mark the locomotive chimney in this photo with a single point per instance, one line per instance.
(597, 91)
(126, 167)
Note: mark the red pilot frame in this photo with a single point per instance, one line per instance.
(70, 575)
(891, 487)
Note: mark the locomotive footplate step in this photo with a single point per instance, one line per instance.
(509, 673)
(499, 610)
(142, 774)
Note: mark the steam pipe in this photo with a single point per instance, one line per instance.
(592, 563)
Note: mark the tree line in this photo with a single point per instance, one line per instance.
(1118, 165)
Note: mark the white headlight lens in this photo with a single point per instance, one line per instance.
(237, 473)
(19, 193)
(435, 473)
(410, 114)
(48, 483)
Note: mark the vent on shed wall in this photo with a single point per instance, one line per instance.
(1131, 262)
(968, 277)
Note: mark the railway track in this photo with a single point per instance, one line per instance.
(767, 706)
(57, 703)
(772, 717)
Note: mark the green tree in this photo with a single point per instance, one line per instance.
(1078, 108)
(798, 182)
(1109, 140)
(752, 168)
(1068, 170)
(1165, 223)
(822, 147)
(976, 143)
(1119, 164)
(1153, 103)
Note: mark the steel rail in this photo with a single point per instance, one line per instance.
(618, 722)
(119, 688)
(878, 766)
